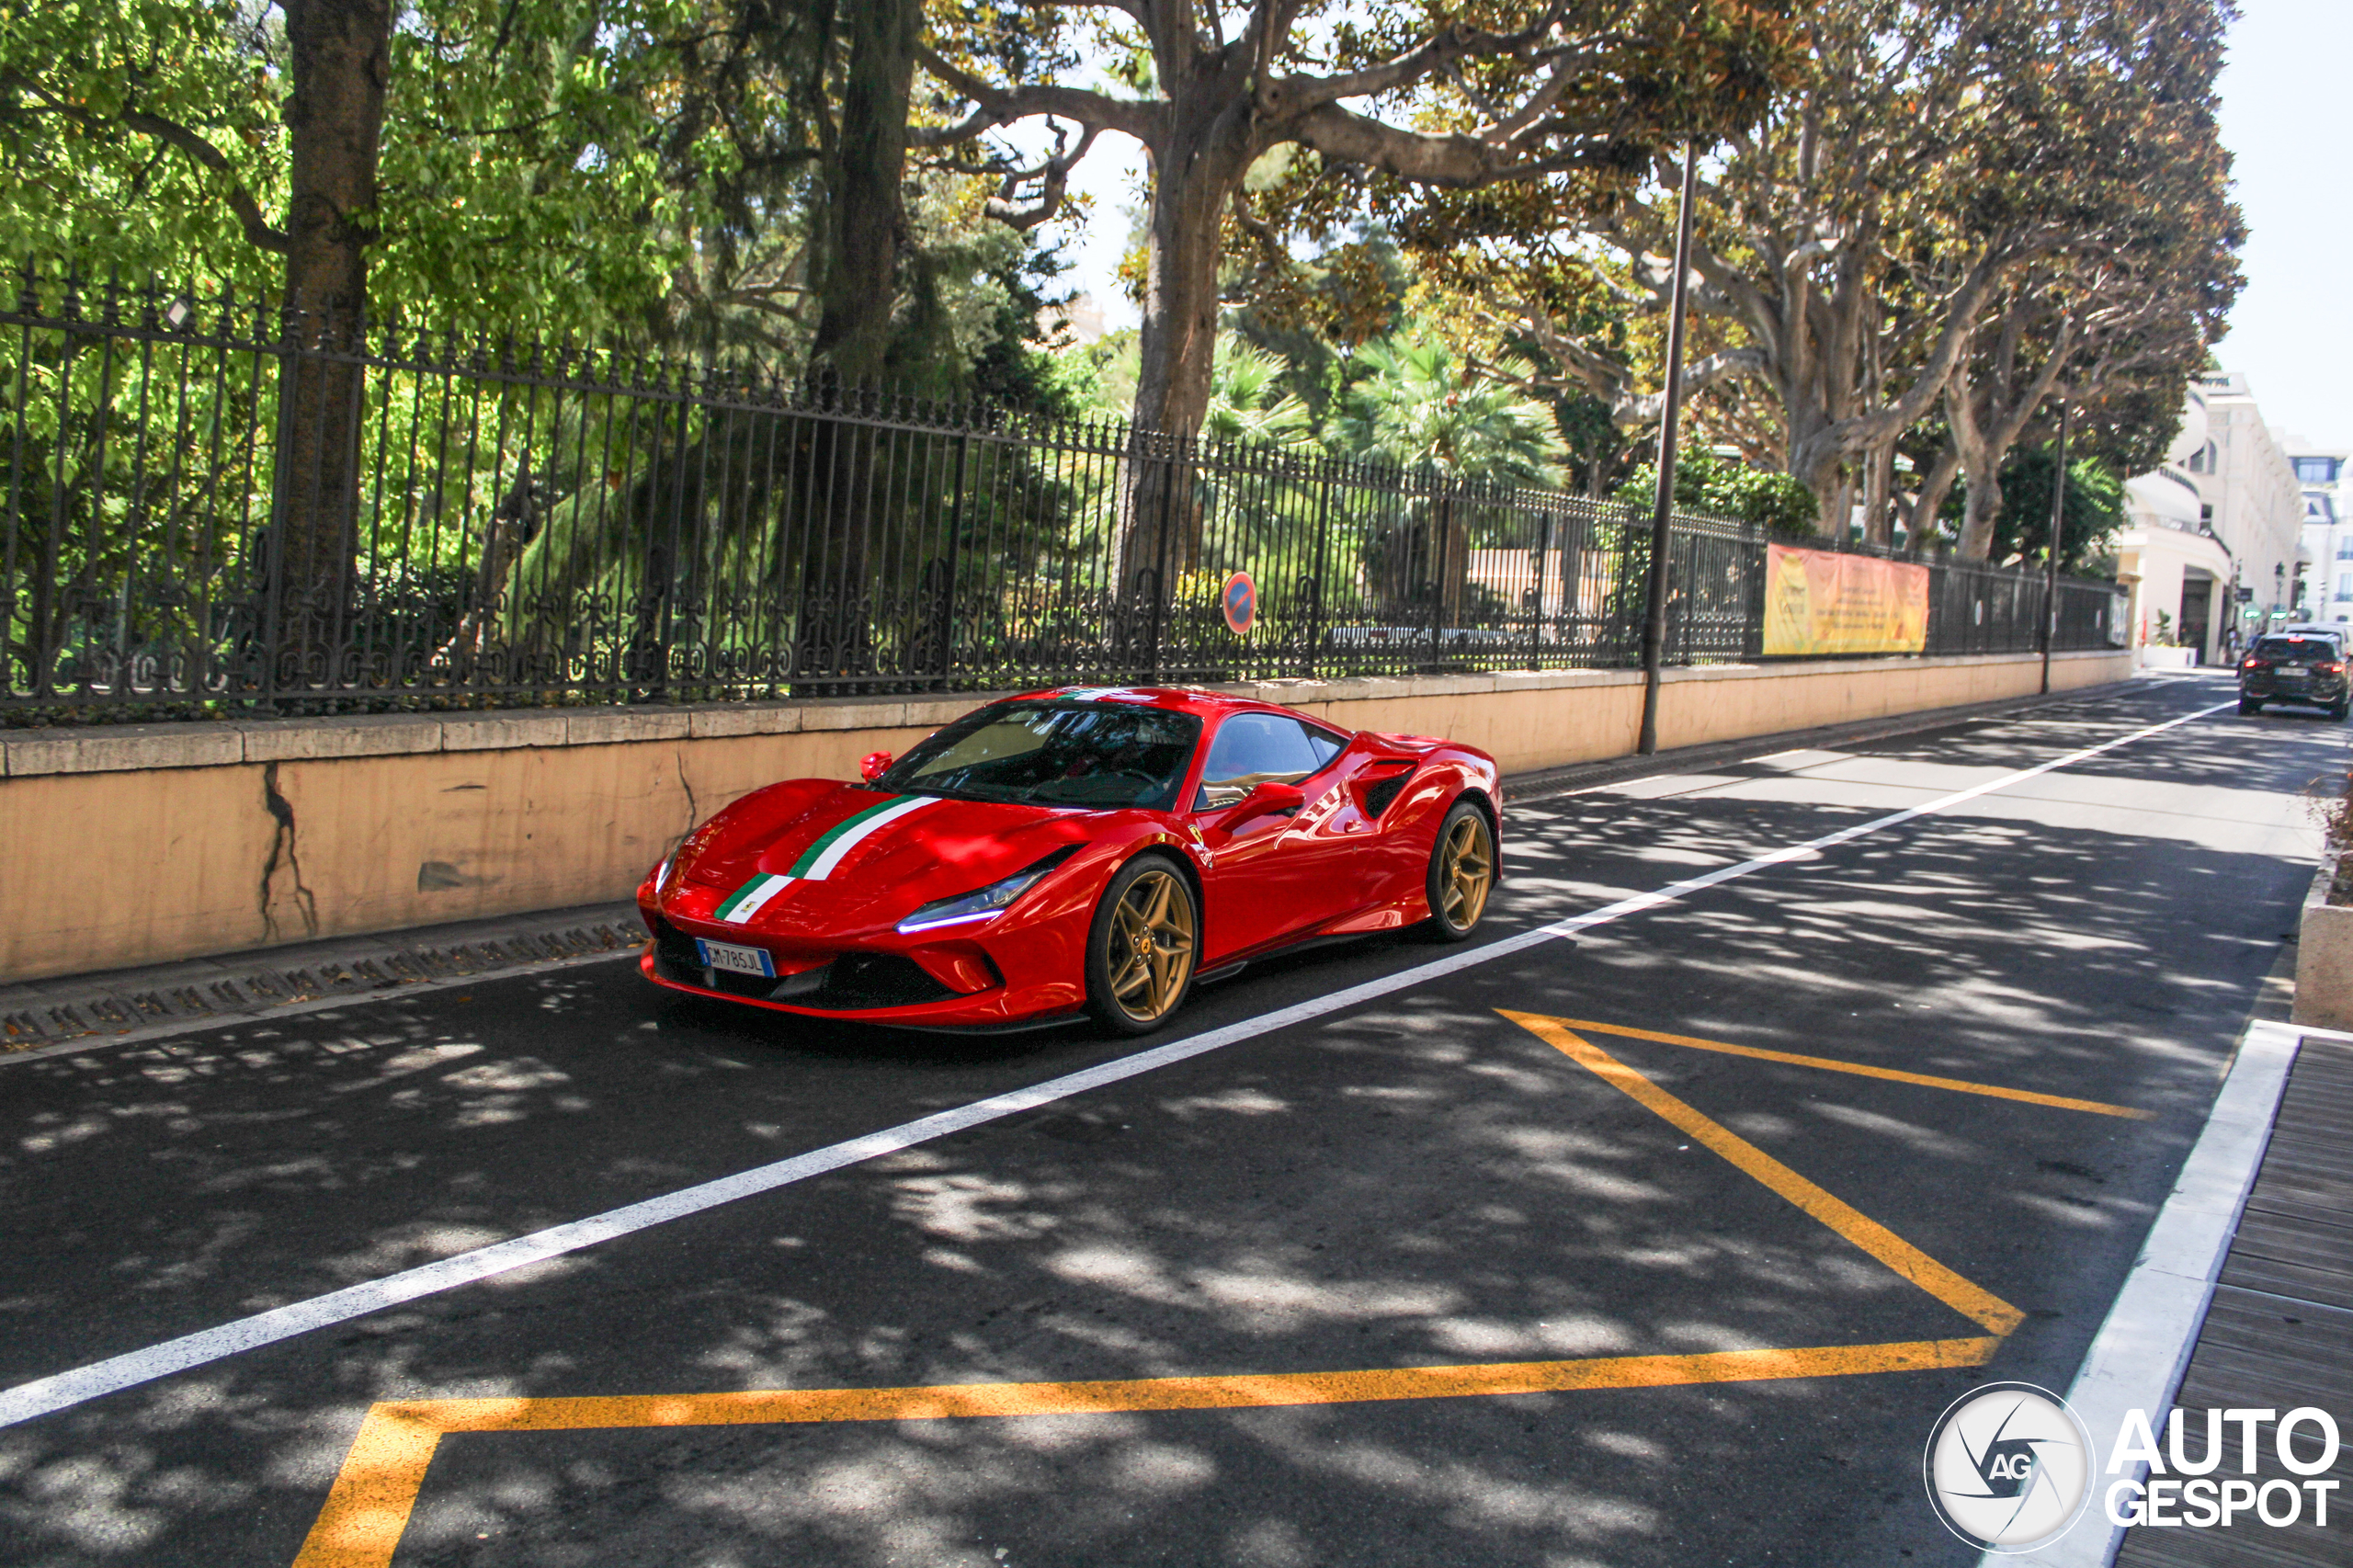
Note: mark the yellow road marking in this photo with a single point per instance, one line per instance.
(1958, 1085)
(369, 1506)
(1968, 1300)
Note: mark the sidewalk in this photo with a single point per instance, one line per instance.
(2278, 1334)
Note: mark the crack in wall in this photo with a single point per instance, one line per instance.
(282, 847)
(678, 760)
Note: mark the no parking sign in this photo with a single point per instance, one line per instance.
(1241, 601)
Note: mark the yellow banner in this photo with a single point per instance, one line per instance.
(1820, 602)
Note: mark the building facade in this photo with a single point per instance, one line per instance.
(2329, 533)
(2213, 546)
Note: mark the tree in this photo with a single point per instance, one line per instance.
(1528, 90)
(1932, 156)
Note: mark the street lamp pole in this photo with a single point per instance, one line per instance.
(2050, 552)
(1655, 616)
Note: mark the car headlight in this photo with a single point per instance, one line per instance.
(986, 903)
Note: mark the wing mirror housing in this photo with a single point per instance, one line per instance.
(1264, 800)
(873, 765)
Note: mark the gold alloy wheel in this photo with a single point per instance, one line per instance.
(1466, 871)
(1151, 946)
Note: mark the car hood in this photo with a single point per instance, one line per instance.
(815, 857)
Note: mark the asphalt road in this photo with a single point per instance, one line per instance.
(1410, 1182)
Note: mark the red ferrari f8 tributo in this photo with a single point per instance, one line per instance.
(1087, 848)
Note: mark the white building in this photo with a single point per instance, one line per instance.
(2212, 546)
(2328, 533)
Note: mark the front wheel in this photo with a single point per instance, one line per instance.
(1143, 947)
(1461, 873)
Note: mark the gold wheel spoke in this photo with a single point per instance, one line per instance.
(1465, 872)
(1151, 946)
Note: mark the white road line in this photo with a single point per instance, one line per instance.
(61, 1391)
(2137, 1359)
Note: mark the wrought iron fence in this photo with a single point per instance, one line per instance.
(209, 502)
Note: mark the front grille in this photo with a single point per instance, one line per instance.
(853, 981)
(874, 980)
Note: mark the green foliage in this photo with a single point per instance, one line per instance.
(1727, 487)
(2095, 508)
(1417, 408)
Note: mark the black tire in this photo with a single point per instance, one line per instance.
(2339, 711)
(1165, 993)
(2249, 705)
(1456, 909)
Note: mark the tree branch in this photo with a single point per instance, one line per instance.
(1430, 158)
(1002, 106)
(198, 151)
(1053, 181)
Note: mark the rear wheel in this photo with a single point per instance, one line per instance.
(1461, 874)
(2339, 711)
(1143, 947)
(2249, 705)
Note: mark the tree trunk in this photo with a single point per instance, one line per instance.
(1920, 524)
(1193, 177)
(863, 244)
(1879, 485)
(341, 59)
(1195, 172)
(866, 226)
(1981, 468)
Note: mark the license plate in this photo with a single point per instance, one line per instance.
(735, 959)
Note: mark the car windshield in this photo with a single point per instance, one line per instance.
(2296, 649)
(1100, 755)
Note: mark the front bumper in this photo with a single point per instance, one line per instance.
(880, 981)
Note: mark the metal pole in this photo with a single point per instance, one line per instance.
(2050, 551)
(1654, 620)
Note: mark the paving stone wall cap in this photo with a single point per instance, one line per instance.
(744, 718)
(854, 716)
(590, 727)
(492, 732)
(377, 735)
(117, 749)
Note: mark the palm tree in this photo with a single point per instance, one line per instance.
(1419, 409)
(1421, 412)
(1248, 402)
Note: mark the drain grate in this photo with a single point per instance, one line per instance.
(49, 1012)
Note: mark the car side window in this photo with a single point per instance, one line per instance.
(1254, 748)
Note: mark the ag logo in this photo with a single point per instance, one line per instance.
(2009, 1467)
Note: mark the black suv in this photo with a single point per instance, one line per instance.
(2307, 668)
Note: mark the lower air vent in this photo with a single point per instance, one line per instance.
(856, 980)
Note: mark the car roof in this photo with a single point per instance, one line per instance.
(1197, 700)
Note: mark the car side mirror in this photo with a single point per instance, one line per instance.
(1264, 800)
(873, 765)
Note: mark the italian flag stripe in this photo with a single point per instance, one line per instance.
(834, 845)
(746, 901)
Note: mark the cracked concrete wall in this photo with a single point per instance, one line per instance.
(107, 869)
(103, 870)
